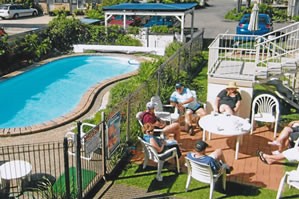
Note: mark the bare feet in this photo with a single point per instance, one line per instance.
(275, 152)
(274, 143)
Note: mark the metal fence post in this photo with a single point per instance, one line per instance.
(159, 81)
(104, 147)
(66, 168)
(78, 161)
(128, 119)
(179, 62)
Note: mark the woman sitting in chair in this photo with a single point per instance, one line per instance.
(158, 143)
(228, 100)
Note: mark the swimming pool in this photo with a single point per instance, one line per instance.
(55, 89)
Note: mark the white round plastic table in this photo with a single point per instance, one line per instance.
(226, 125)
(15, 169)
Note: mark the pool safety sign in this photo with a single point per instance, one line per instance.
(113, 133)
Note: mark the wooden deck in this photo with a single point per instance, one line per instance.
(248, 169)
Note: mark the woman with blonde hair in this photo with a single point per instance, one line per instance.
(228, 100)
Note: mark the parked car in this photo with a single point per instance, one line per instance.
(9, 11)
(130, 20)
(265, 25)
(2, 32)
(243, 2)
(159, 21)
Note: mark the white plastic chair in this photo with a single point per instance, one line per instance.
(195, 98)
(193, 92)
(265, 108)
(203, 173)
(290, 177)
(164, 115)
(72, 139)
(150, 153)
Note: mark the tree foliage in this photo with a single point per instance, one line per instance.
(3, 45)
(96, 13)
(112, 2)
(64, 32)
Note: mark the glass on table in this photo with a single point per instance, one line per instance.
(214, 113)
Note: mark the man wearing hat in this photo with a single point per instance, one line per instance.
(215, 159)
(183, 99)
(149, 116)
(228, 100)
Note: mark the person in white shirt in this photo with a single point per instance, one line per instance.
(183, 99)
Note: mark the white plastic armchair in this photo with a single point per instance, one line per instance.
(150, 153)
(291, 178)
(72, 139)
(161, 113)
(265, 108)
(195, 98)
(203, 173)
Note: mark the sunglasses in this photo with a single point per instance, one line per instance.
(148, 131)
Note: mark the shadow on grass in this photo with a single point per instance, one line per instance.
(291, 197)
(169, 177)
(167, 183)
(237, 189)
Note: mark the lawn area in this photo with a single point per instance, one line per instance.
(174, 185)
(60, 188)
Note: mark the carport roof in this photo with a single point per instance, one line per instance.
(179, 10)
(151, 6)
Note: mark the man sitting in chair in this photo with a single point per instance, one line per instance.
(183, 99)
(149, 116)
(215, 159)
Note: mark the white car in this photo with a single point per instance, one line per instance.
(9, 11)
(243, 2)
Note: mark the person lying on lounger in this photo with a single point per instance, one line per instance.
(287, 137)
(289, 154)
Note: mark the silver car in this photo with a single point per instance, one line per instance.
(9, 11)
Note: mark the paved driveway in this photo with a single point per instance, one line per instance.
(211, 18)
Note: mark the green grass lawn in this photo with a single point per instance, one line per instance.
(60, 188)
(174, 185)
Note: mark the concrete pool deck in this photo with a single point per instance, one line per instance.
(87, 102)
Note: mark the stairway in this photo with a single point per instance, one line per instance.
(252, 58)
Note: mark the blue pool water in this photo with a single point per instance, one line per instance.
(54, 89)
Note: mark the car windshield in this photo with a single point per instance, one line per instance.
(262, 20)
(3, 7)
